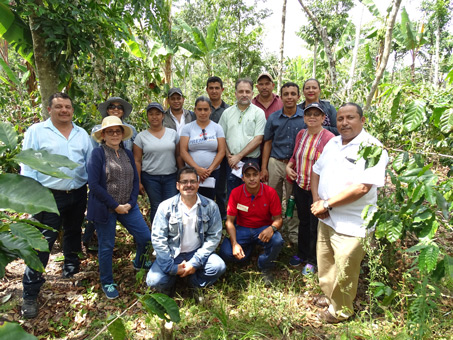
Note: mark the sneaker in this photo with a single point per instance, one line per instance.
(295, 261)
(267, 278)
(309, 269)
(69, 271)
(147, 265)
(110, 291)
(29, 308)
(326, 317)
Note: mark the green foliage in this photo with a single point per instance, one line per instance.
(161, 305)
(117, 330)
(13, 331)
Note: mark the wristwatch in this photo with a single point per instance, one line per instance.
(274, 228)
(326, 205)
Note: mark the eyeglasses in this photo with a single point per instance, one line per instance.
(114, 132)
(113, 107)
(203, 131)
(191, 182)
(313, 113)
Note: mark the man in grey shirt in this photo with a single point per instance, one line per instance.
(176, 116)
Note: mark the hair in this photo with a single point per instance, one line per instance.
(121, 143)
(202, 99)
(312, 79)
(187, 169)
(214, 79)
(59, 95)
(358, 108)
(243, 80)
(289, 84)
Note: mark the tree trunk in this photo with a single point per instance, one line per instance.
(46, 69)
(436, 58)
(282, 46)
(169, 57)
(354, 55)
(385, 55)
(315, 55)
(325, 40)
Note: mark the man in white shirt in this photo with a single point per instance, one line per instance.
(342, 186)
(186, 231)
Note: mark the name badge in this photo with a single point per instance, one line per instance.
(242, 207)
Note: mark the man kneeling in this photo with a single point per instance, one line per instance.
(186, 231)
(258, 212)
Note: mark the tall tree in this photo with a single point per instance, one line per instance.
(282, 46)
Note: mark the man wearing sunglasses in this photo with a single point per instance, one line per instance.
(186, 231)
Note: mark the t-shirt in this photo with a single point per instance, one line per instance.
(203, 142)
(158, 153)
(254, 211)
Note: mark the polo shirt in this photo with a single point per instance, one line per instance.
(217, 113)
(254, 211)
(339, 168)
(276, 105)
(282, 130)
(240, 127)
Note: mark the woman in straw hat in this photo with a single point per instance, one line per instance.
(113, 182)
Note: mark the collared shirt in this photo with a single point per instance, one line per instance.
(190, 239)
(282, 130)
(77, 148)
(276, 105)
(216, 113)
(339, 168)
(254, 211)
(171, 122)
(240, 127)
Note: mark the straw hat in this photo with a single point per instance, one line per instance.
(103, 106)
(112, 121)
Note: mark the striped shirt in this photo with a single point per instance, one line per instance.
(307, 150)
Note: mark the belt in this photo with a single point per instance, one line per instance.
(286, 161)
(55, 191)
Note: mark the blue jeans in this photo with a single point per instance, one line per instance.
(203, 277)
(159, 188)
(247, 238)
(71, 206)
(220, 188)
(210, 192)
(234, 181)
(136, 225)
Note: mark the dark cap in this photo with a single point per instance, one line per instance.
(174, 90)
(316, 106)
(250, 165)
(154, 105)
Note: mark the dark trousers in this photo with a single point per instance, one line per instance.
(71, 206)
(220, 188)
(308, 225)
(210, 192)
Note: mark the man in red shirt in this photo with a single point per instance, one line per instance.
(266, 99)
(258, 213)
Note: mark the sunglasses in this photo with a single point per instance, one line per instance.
(113, 107)
(313, 113)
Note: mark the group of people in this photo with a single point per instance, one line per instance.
(219, 163)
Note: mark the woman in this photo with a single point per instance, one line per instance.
(156, 154)
(312, 91)
(203, 146)
(113, 182)
(118, 107)
(309, 145)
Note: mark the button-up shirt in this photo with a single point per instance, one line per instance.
(77, 147)
(282, 130)
(216, 113)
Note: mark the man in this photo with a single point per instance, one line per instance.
(243, 125)
(214, 88)
(342, 187)
(186, 231)
(58, 135)
(280, 134)
(258, 213)
(266, 100)
(176, 116)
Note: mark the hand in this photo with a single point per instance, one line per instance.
(266, 235)
(233, 160)
(323, 215)
(141, 189)
(238, 252)
(318, 209)
(188, 270)
(203, 173)
(264, 175)
(123, 209)
(291, 173)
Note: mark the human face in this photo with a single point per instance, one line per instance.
(349, 123)
(251, 179)
(113, 136)
(265, 87)
(214, 91)
(61, 111)
(176, 102)
(290, 97)
(314, 118)
(155, 117)
(115, 109)
(311, 91)
(188, 185)
(202, 111)
(244, 94)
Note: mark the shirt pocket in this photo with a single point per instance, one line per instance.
(173, 226)
(249, 128)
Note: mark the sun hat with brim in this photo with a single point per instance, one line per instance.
(110, 121)
(103, 106)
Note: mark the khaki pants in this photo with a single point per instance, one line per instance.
(277, 180)
(339, 257)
